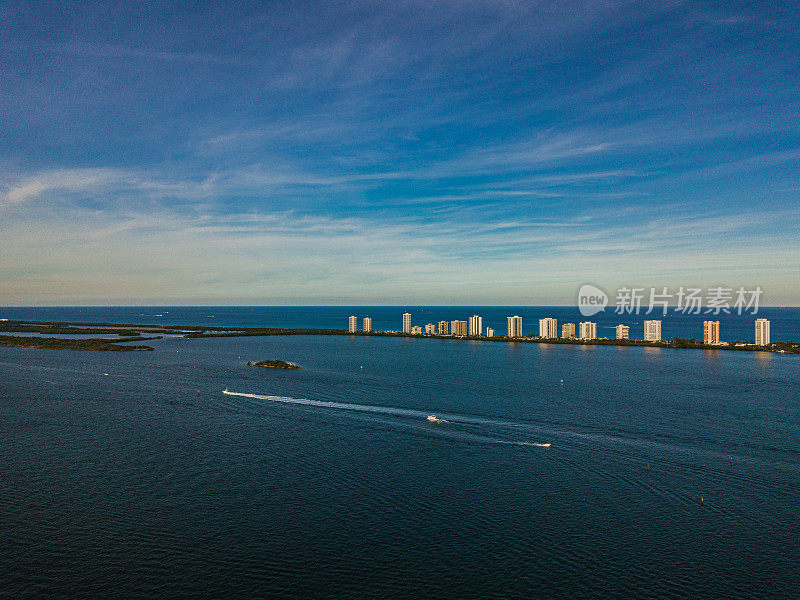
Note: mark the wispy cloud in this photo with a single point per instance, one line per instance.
(115, 52)
(408, 150)
(270, 256)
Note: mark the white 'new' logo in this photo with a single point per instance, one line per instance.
(591, 300)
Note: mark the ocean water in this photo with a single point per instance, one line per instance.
(785, 322)
(670, 474)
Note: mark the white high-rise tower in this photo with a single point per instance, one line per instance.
(711, 332)
(548, 328)
(652, 331)
(587, 330)
(514, 326)
(762, 332)
(475, 325)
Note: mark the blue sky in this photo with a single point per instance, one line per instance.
(396, 153)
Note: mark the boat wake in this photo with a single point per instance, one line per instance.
(397, 412)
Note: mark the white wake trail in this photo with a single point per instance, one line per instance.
(388, 410)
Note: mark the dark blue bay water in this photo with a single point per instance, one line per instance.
(671, 474)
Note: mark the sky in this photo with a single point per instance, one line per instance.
(458, 152)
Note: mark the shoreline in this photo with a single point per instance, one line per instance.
(134, 331)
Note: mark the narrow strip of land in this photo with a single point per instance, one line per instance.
(132, 332)
(95, 344)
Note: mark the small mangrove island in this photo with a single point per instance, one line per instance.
(274, 364)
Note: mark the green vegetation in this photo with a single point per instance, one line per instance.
(792, 347)
(275, 364)
(95, 344)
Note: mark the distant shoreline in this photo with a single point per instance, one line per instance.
(133, 332)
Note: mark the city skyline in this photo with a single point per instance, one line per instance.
(548, 330)
(441, 153)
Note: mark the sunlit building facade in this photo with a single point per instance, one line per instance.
(458, 328)
(475, 325)
(548, 328)
(711, 332)
(406, 322)
(652, 331)
(514, 325)
(587, 330)
(762, 332)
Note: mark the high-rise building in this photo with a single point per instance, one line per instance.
(548, 328)
(458, 328)
(762, 332)
(568, 331)
(514, 325)
(622, 332)
(711, 332)
(430, 328)
(416, 330)
(475, 325)
(587, 330)
(406, 322)
(444, 328)
(652, 331)
(352, 324)
(489, 332)
(367, 324)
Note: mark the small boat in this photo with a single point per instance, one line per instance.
(434, 419)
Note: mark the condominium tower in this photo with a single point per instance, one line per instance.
(514, 326)
(367, 324)
(568, 331)
(762, 332)
(711, 332)
(458, 327)
(444, 328)
(352, 324)
(406, 322)
(548, 328)
(622, 332)
(587, 330)
(475, 325)
(652, 331)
